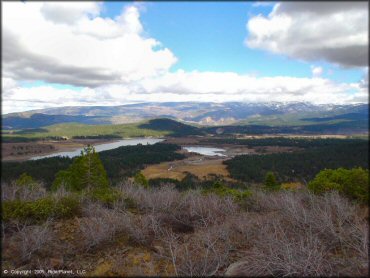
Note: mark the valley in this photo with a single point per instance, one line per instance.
(185, 139)
(162, 182)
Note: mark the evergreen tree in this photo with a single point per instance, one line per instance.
(140, 179)
(86, 172)
(270, 181)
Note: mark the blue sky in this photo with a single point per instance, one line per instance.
(85, 53)
(209, 36)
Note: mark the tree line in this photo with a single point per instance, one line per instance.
(120, 162)
(285, 142)
(298, 166)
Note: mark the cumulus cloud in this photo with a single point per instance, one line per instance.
(364, 82)
(191, 86)
(316, 71)
(335, 32)
(115, 63)
(69, 12)
(70, 43)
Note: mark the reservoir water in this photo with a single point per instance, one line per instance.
(209, 151)
(104, 147)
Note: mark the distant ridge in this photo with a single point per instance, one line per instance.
(202, 113)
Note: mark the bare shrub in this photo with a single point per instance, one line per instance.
(101, 224)
(163, 199)
(12, 191)
(202, 254)
(279, 253)
(333, 218)
(191, 208)
(61, 192)
(306, 234)
(205, 210)
(28, 240)
(244, 227)
(143, 229)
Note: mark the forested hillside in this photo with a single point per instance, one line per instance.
(120, 162)
(176, 128)
(285, 142)
(303, 165)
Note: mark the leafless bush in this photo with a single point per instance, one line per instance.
(28, 240)
(101, 224)
(164, 199)
(61, 192)
(244, 227)
(333, 218)
(305, 234)
(191, 208)
(280, 253)
(12, 191)
(202, 254)
(143, 229)
(210, 209)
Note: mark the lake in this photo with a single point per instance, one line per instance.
(209, 151)
(104, 147)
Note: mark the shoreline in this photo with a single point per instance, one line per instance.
(45, 149)
(40, 149)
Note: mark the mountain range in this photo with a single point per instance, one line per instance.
(197, 113)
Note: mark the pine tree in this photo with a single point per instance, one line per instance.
(270, 181)
(140, 179)
(86, 172)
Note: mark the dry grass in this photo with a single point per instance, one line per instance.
(179, 168)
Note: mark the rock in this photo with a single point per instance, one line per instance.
(235, 269)
(56, 262)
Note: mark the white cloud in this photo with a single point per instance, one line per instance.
(191, 86)
(116, 63)
(316, 71)
(70, 43)
(333, 31)
(69, 12)
(8, 83)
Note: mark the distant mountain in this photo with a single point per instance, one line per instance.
(202, 113)
(40, 120)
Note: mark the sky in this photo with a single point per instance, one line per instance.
(115, 53)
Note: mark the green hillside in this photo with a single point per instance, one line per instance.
(155, 128)
(75, 129)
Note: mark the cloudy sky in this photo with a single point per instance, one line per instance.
(113, 53)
